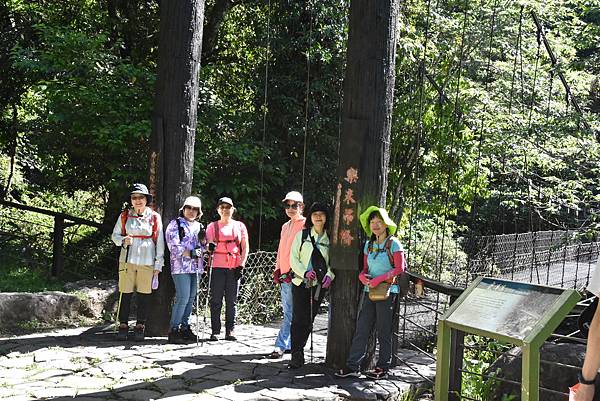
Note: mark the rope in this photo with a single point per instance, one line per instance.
(485, 106)
(264, 133)
(423, 70)
(453, 143)
(306, 100)
(519, 38)
(537, 60)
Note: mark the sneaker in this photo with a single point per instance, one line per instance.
(175, 336)
(187, 334)
(122, 333)
(230, 337)
(138, 333)
(275, 355)
(347, 372)
(213, 337)
(377, 373)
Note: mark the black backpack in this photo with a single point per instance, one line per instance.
(181, 231)
(317, 259)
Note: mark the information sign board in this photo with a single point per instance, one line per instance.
(505, 307)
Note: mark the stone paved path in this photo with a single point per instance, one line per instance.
(87, 364)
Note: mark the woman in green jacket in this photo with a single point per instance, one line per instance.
(312, 276)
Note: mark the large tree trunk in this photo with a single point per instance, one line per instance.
(364, 155)
(174, 127)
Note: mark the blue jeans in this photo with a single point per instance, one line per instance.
(185, 292)
(283, 341)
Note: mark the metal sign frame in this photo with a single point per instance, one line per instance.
(530, 344)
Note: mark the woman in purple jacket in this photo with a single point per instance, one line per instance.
(185, 237)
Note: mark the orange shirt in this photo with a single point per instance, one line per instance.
(288, 233)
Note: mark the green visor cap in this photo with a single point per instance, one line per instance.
(364, 219)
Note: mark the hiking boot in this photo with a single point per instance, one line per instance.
(213, 337)
(175, 337)
(138, 333)
(230, 337)
(297, 361)
(377, 373)
(122, 333)
(187, 334)
(347, 372)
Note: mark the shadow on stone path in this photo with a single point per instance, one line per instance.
(88, 364)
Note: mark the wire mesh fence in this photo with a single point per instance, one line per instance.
(258, 300)
(556, 258)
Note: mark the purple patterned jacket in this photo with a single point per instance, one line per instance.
(182, 264)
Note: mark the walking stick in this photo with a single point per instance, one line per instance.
(207, 295)
(311, 324)
(197, 305)
(120, 293)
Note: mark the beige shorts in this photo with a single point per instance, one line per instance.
(135, 277)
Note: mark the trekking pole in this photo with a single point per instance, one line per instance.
(207, 295)
(197, 305)
(311, 324)
(118, 312)
(120, 293)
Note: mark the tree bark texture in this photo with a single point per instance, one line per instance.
(174, 128)
(364, 155)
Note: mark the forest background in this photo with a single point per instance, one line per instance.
(485, 139)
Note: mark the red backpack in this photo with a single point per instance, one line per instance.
(125, 216)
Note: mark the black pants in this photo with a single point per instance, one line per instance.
(142, 307)
(302, 320)
(223, 283)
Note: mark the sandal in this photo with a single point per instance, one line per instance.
(377, 373)
(274, 355)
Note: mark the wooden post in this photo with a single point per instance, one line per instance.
(457, 342)
(57, 245)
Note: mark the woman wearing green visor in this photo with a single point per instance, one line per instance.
(383, 262)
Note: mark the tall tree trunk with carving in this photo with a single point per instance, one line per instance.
(174, 128)
(364, 155)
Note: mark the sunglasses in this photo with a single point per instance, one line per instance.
(193, 208)
(224, 206)
(138, 197)
(291, 206)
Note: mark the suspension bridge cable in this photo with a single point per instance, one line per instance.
(264, 133)
(422, 73)
(307, 97)
(519, 38)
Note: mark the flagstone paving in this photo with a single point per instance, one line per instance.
(87, 364)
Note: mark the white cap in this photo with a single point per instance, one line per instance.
(192, 201)
(294, 196)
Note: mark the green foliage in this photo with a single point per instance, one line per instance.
(492, 146)
(86, 104)
(434, 251)
(18, 278)
(478, 381)
(481, 134)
